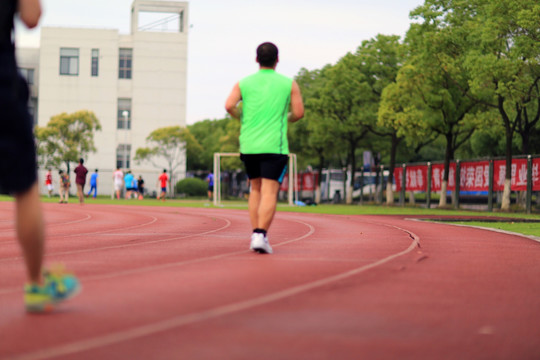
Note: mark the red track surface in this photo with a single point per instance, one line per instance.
(179, 283)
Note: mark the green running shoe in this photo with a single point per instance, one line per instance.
(57, 287)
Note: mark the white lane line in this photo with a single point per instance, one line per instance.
(192, 261)
(121, 246)
(169, 265)
(160, 326)
(506, 232)
(88, 217)
(309, 233)
(48, 225)
(153, 220)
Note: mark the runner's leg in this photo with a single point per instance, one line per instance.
(30, 231)
(254, 201)
(268, 203)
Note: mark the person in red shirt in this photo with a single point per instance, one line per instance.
(163, 180)
(80, 180)
(48, 182)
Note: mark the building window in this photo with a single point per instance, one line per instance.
(122, 156)
(69, 61)
(124, 114)
(125, 63)
(32, 109)
(28, 74)
(95, 62)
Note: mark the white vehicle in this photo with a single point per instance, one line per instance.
(333, 184)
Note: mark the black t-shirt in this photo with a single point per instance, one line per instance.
(7, 11)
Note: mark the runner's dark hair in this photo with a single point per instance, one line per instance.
(267, 54)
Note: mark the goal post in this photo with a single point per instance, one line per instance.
(292, 192)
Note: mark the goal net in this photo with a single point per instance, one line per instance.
(292, 189)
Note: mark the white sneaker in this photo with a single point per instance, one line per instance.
(259, 243)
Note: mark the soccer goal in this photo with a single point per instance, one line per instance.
(292, 189)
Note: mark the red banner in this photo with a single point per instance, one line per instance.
(519, 175)
(398, 176)
(535, 174)
(474, 176)
(416, 178)
(437, 175)
(306, 181)
(285, 183)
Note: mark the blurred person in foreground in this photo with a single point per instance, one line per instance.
(18, 170)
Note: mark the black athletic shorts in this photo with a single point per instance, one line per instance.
(267, 166)
(18, 169)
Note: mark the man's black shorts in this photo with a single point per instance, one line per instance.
(267, 166)
(17, 147)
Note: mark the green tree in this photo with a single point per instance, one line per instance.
(208, 134)
(311, 138)
(346, 105)
(381, 58)
(168, 144)
(66, 138)
(230, 142)
(504, 66)
(437, 75)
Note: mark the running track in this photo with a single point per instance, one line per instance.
(179, 283)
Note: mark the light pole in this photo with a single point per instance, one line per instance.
(125, 114)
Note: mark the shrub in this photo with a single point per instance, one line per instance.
(192, 187)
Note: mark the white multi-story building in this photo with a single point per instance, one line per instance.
(133, 83)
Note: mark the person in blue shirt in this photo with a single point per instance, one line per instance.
(128, 181)
(210, 181)
(93, 184)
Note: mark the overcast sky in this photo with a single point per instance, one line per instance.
(224, 34)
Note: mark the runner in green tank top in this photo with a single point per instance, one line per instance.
(269, 101)
(266, 101)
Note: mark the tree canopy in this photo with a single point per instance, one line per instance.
(66, 138)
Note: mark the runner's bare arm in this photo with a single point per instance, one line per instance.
(297, 105)
(231, 105)
(30, 12)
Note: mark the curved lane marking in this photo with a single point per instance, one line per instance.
(163, 266)
(120, 246)
(13, 230)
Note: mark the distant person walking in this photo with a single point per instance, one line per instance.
(162, 182)
(128, 182)
(80, 180)
(118, 178)
(93, 183)
(64, 187)
(210, 181)
(269, 100)
(49, 182)
(140, 187)
(18, 175)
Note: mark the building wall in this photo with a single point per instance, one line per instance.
(157, 88)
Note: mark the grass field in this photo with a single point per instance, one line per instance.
(513, 225)
(516, 227)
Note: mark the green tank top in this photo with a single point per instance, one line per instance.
(266, 98)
